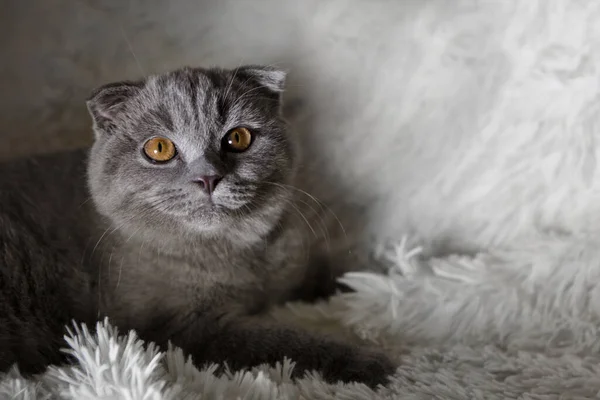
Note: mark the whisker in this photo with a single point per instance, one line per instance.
(99, 240)
(321, 204)
(224, 97)
(139, 65)
(105, 235)
(85, 201)
(110, 261)
(303, 242)
(120, 271)
(133, 234)
(321, 222)
(243, 95)
(301, 214)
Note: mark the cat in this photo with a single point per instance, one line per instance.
(179, 222)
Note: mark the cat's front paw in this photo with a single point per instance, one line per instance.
(372, 368)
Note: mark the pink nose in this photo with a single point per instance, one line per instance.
(208, 183)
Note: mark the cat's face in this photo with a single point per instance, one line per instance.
(196, 151)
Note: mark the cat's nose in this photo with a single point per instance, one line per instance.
(208, 182)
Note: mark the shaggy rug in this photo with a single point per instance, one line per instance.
(541, 342)
(472, 127)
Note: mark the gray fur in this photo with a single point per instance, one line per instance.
(151, 251)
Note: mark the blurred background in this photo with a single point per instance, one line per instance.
(465, 124)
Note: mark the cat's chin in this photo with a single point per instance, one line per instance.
(225, 231)
(209, 220)
(218, 221)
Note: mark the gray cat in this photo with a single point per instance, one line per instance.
(189, 235)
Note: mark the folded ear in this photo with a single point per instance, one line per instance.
(105, 102)
(270, 78)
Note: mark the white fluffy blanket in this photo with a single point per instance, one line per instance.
(514, 324)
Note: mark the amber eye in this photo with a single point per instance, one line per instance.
(160, 149)
(237, 140)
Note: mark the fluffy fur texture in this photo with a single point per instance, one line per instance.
(470, 124)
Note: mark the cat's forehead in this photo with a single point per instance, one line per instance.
(193, 97)
(179, 101)
(182, 87)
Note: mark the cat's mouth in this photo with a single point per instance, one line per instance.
(221, 206)
(209, 208)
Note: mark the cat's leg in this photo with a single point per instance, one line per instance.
(229, 325)
(320, 281)
(244, 342)
(336, 249)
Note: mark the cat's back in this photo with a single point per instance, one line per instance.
(47, 183)
(42, 232)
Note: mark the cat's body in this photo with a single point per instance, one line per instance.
(45, 223)
(190, 247)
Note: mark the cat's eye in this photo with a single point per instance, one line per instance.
(160, 149)
(237, 140)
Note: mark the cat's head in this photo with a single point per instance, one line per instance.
(196, 151)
